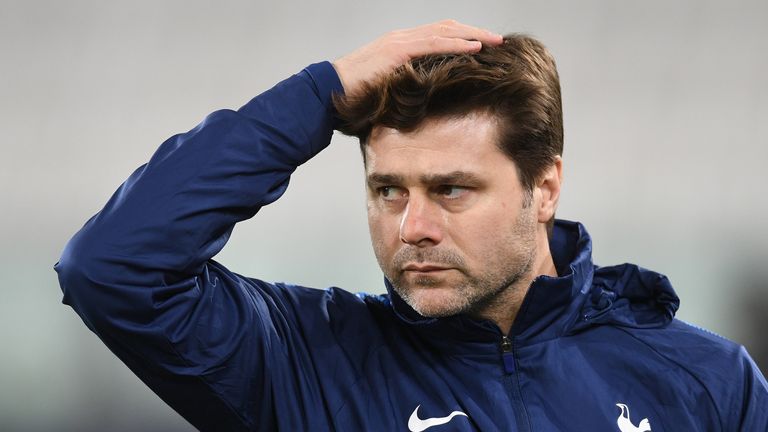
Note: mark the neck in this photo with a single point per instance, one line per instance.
(504, 308)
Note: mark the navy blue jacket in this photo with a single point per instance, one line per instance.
(595, 349)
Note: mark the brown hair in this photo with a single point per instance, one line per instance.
(515, 82)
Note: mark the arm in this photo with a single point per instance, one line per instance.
(140, 274)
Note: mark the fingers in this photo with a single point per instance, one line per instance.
(398, 47)
(443, 37)
(452, 29)
(442, 45)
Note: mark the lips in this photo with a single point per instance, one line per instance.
(424, 268)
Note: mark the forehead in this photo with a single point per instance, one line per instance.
(439, 145)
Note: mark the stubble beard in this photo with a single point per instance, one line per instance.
(474, 291)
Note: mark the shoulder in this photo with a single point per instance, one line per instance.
(704, 355)
(716, 362)
(721, 368)
(688, 344)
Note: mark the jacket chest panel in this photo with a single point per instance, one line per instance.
(594, 382)
(411, 391)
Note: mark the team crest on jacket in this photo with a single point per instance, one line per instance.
(625, 423)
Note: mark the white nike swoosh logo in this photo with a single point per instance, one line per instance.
(415, 424)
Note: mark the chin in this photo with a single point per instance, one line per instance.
(435, 302)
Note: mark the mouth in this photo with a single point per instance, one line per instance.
(425, 268)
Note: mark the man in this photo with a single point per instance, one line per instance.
(495, 318)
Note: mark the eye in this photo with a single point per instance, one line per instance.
(451, 191)
(391, 193)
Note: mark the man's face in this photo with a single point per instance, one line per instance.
(448, 217)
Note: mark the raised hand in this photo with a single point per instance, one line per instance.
(397, 47)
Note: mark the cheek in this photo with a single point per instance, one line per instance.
(381, 231)
(374, 220)
(480, 232)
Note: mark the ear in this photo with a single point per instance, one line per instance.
(549, 190)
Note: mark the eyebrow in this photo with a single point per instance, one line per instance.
(454, 177)
(376, 179)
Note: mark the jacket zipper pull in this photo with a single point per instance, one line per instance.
(507, 357)
(506, 344)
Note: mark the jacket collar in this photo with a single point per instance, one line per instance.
(580, 296)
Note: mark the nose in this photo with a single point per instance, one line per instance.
(420, 223)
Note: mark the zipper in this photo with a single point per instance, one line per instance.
(506, 344)
(507, 356)
(512, 380)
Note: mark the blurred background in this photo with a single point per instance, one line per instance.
(665, 122)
